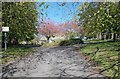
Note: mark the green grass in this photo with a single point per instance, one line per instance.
(105, 57)
(15, 52)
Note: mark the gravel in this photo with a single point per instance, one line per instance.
(61, 61)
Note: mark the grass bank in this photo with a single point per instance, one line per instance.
(15, 52)
(105, 55)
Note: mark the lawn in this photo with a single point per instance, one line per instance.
(15, 52)
(105, 55)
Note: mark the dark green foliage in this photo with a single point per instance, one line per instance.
(71, 41)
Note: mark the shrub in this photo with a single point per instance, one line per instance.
(71, 41)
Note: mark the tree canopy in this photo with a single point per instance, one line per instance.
(100, 17)
(21, 18)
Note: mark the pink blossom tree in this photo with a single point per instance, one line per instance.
(49, 29)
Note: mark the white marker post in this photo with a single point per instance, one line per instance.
(5, 29)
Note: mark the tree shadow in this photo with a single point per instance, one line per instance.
(101, 42)
(71, 41)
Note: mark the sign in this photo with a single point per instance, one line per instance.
(5, 29)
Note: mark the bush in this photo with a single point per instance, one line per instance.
(71, 41)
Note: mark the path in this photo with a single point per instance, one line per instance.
(52, 62)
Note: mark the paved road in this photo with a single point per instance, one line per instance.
(59, 61)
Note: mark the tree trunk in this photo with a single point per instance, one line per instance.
(116, 35)
(97, 35)
(48, 38)
(13, 41)
(113, 36)
(101, 36)
(109, 36)
(16, 42)
(105, 36)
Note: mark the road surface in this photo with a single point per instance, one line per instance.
(61, 61)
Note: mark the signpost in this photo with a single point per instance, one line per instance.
(5, 29)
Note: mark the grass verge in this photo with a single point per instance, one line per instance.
(15, 52)
(105, 55)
